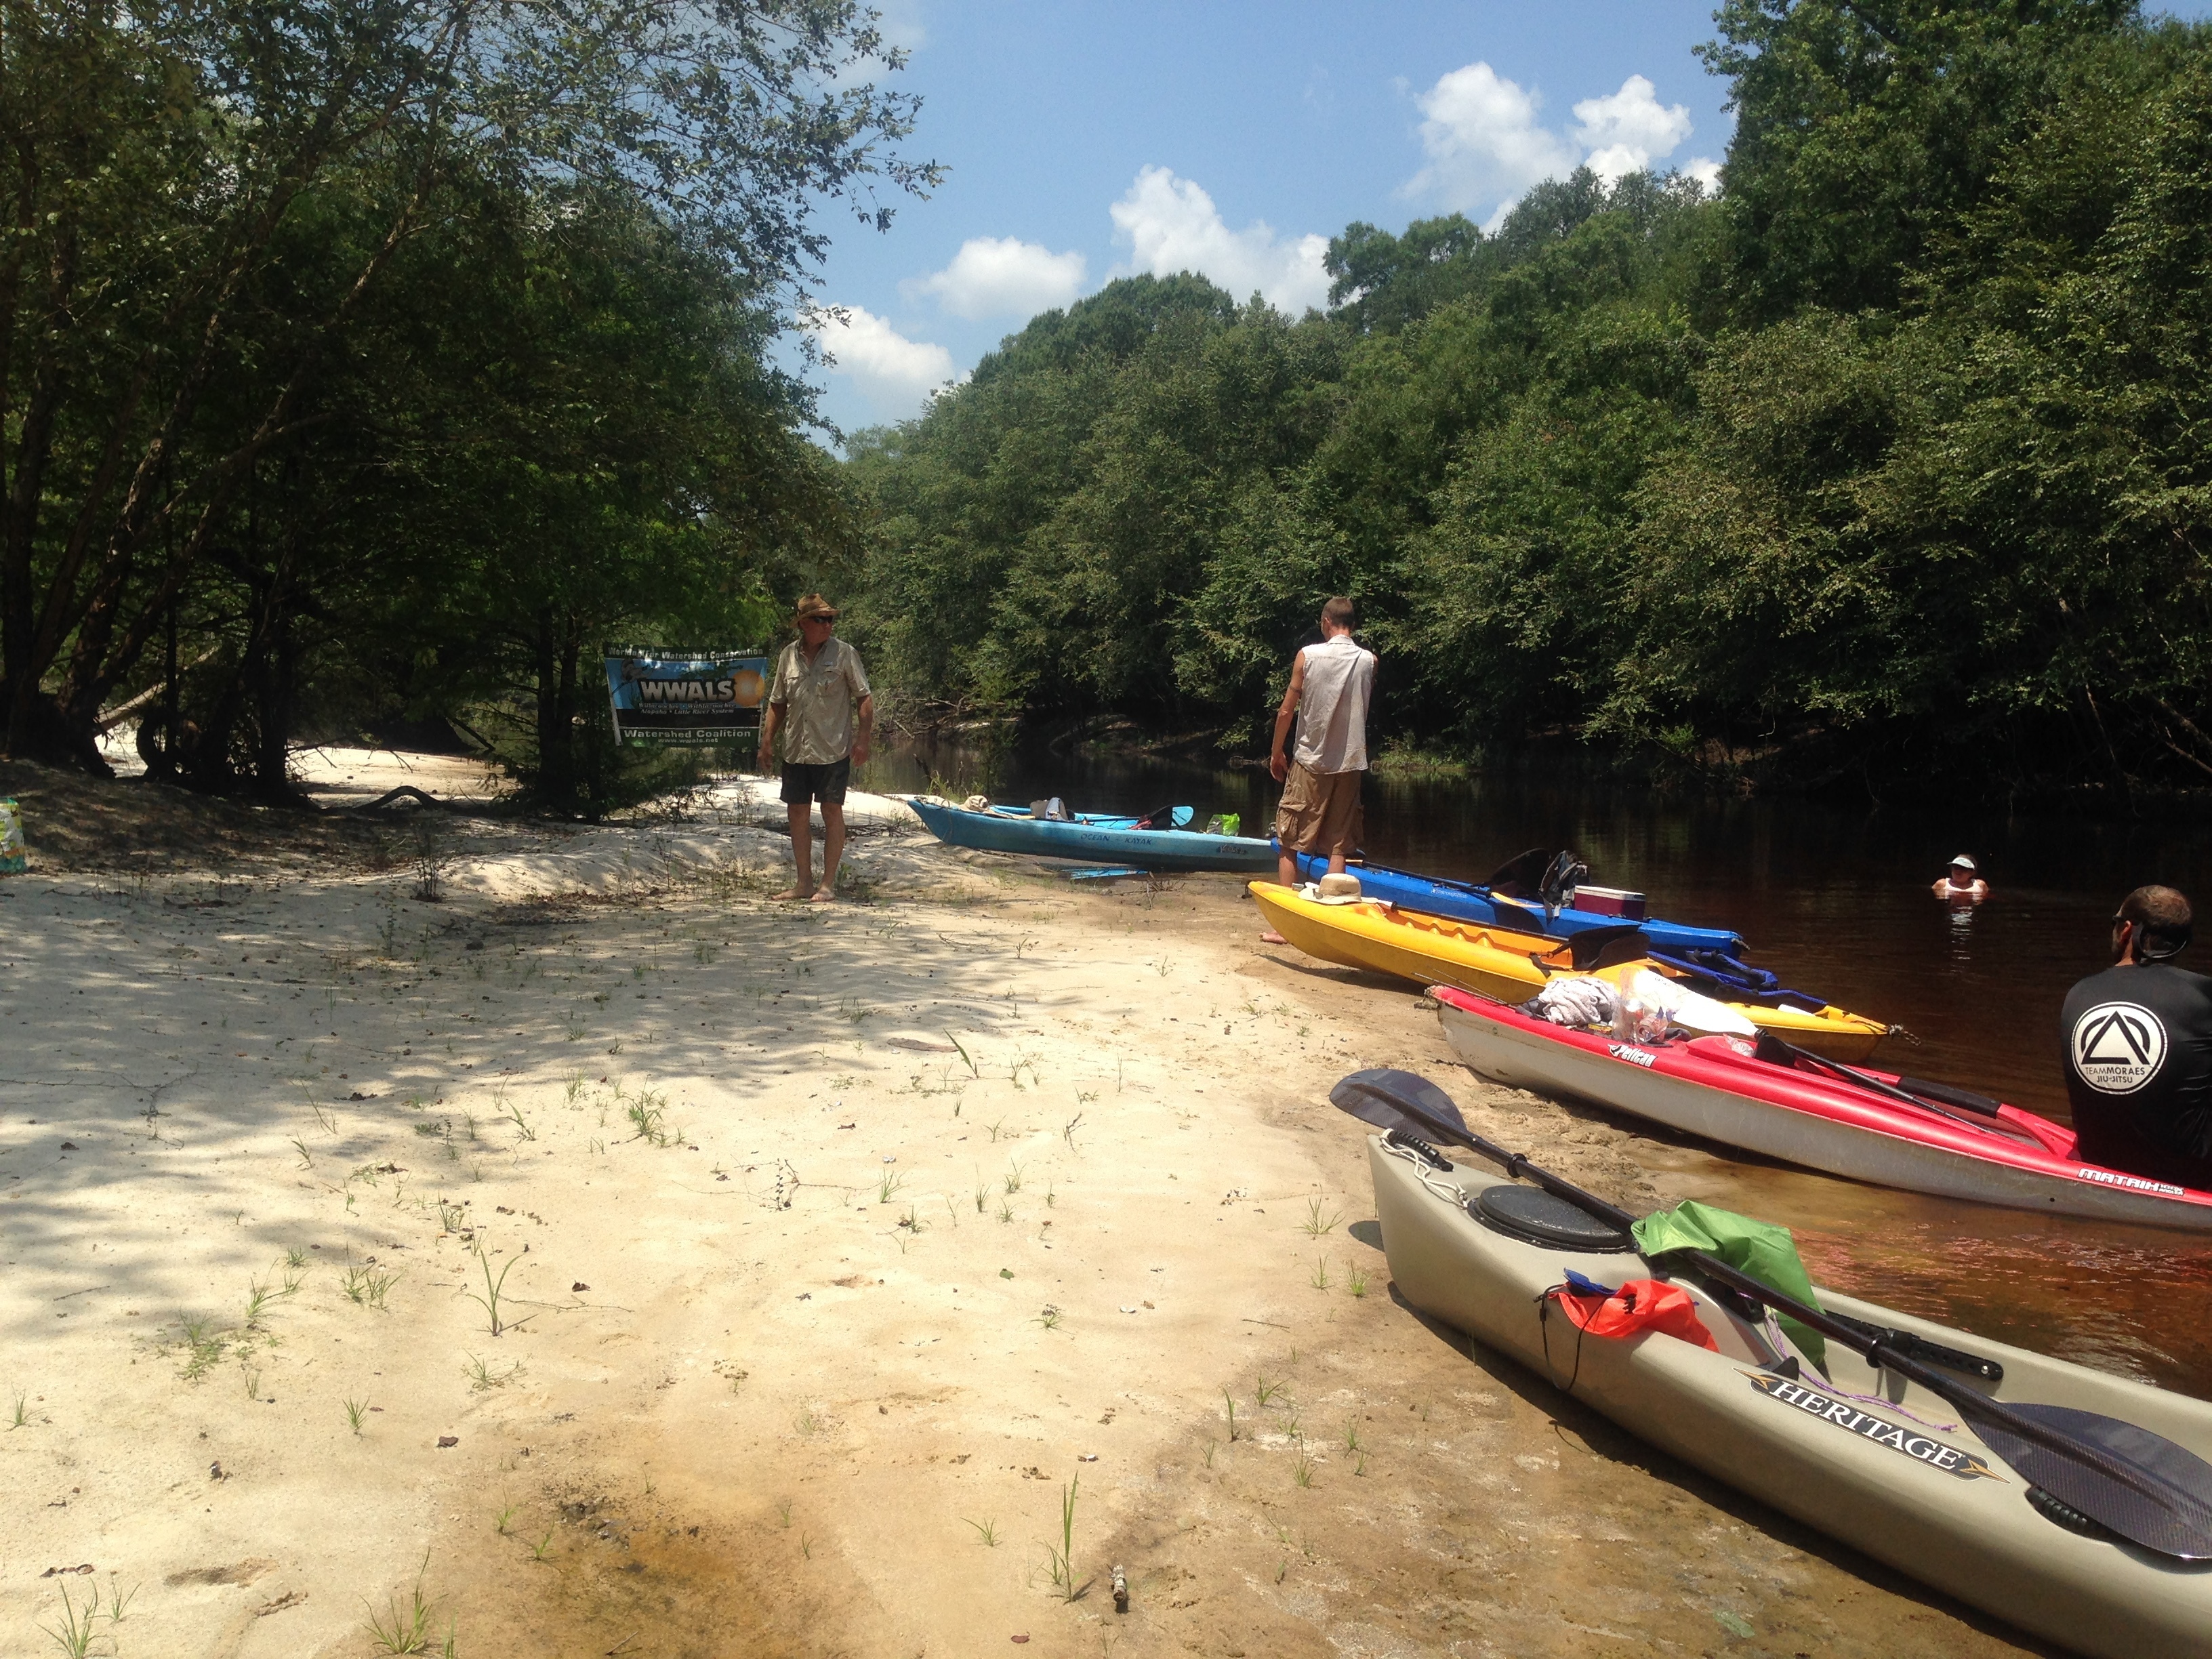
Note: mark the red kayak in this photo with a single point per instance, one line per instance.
(1888, 1129)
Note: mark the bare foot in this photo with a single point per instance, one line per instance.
(792, 895)
(1271, 937)
(823, 896)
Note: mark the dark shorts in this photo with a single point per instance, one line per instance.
(825, 783)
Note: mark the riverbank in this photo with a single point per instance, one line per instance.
(830, 1251)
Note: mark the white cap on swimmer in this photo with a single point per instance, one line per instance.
(1962, 862)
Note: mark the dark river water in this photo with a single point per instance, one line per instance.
(1837, 901)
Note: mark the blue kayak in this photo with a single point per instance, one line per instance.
(1710, 950)
(1092, 838)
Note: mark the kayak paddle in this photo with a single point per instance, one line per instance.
(2125, 1479)
(1776, 1052)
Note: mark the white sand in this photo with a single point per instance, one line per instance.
(959, 1189)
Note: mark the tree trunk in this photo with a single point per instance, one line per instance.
(556, 777)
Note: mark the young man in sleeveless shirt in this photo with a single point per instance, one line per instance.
(1330, 685)
(2138, 1042)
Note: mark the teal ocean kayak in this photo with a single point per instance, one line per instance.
(1090, 838)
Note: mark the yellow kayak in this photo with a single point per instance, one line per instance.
(1509, 966)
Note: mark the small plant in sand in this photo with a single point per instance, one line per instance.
(203, 1344)
(366, 1287)
(118, 1602)
(543, 1547)
(1302, 1472)
(355, 1411)
(503, 1520)
(912, 1221)
(783, 1512)
(494, 1288)
(1062, 1560)
(73, 1635)
(1068, 1131)
(987, 1533)
(513, 1113)
(967, 1058)
(648, 1114)
(1049, 1318)
(483, 1377)
(259, 1293)
(1005, 1211)
(1321, 1278)
(1319, 1219)
(887, 1188)
(1264, 1391)
(307, 1158)
(21, 1417)
(1356, 1281)
(1013, 1179)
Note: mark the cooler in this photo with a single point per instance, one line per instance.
(1607, 902)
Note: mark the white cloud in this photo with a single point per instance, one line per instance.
(1171, 224)
(1486, 146)
(1625, 132)
(1002, 276)
(890, 369)
(1706, 171)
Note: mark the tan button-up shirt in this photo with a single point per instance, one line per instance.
(818, 700)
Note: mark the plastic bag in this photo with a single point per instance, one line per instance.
(1762, 1248)
(1573, 1000)
(1687, 1007)
(15, 857)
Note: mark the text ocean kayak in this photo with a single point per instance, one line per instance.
(1462, 901)
(1498, 962)
(1092, 839)
(1719, 1088)
(1861, 1456)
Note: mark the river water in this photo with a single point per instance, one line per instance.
(1837, 901)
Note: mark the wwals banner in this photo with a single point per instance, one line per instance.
(680, 700)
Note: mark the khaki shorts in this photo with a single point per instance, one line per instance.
(1320, 812)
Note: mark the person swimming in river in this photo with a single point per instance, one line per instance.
(2138, 1048)
(1961, 881)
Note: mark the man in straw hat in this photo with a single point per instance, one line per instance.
(819, 699)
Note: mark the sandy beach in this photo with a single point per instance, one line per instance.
(601, 1258)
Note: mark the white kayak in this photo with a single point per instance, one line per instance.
(1860, 1455)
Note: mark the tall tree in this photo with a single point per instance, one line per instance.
(156, 163)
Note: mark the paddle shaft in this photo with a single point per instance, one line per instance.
(1984, 1121)
(1969, 1401)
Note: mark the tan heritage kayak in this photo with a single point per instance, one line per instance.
(1509, 966)
(1860, 1455)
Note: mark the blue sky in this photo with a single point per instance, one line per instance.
(1084, 142)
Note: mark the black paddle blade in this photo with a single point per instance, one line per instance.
(1378, 1096)
(1522, 874)
(1587, 948)
(2154, 1492)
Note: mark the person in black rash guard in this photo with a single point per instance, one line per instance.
(2138, 1040)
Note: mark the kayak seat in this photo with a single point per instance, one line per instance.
(1536, 1216)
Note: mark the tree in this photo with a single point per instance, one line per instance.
(158, 165)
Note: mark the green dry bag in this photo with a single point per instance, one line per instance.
(1760, 1248)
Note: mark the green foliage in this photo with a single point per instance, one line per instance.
(1876, 470)
(374, 361)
